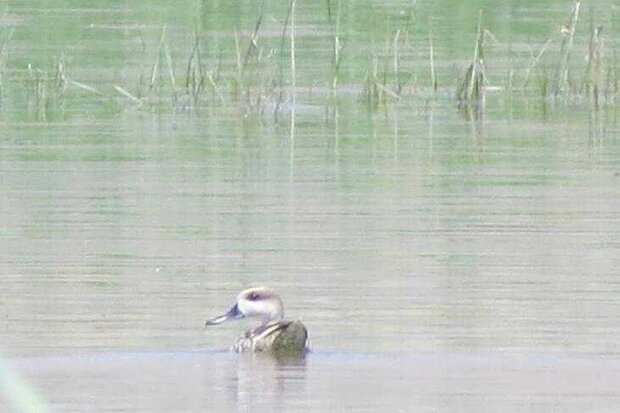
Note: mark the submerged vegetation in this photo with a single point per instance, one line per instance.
(264, 75)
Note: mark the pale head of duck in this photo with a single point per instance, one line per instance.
(261, 303)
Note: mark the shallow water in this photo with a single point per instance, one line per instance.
(438, 262)
(208, 381)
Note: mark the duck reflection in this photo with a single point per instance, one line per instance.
(266, 382)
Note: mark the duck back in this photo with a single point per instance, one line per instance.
(283, 337)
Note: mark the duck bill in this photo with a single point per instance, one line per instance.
(233, 314)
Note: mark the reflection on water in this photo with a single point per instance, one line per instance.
(207, 381)
(158, 382)
(266, 383)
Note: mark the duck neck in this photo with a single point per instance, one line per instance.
(270, 320)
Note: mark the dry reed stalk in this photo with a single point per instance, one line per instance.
(84, 86)
(292, 42)
(163, 53)
(432, 59)
(472, 87)
(594, 78)
(127, 94)
(336, 51)
(568, 32)
(395, 52)
(195, 72)
(3, 55)
(253, 45)
(288, 22)
(535, 61)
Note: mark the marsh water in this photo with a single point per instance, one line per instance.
(442, 261)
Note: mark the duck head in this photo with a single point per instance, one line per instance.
(260, 303)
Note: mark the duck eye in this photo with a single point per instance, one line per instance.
(254, 296)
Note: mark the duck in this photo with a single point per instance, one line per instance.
(273, 334)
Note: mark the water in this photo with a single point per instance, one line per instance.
(438, 262)
(207, 381)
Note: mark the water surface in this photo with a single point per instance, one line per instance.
(440, 263)
(208, 381)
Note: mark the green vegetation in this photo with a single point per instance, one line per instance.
(264, 72)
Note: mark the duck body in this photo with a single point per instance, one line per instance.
(273, 335)
(282, 337)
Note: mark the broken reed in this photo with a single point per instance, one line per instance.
(471, 88)
(383, 86)
(376, 92)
